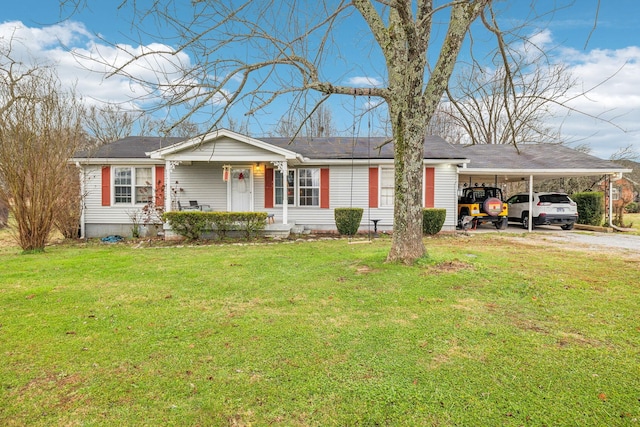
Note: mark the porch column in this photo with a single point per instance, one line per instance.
(530, 228)
(285, 196)
(611, 201)
(282, 167)
(168, 167)
(82, 200)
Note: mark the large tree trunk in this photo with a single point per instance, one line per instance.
(407, 244)
(409, 127)
(411, 107)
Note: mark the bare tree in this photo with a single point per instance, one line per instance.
(481, 105)
(248, 54)
(107, 123)
(149, 126)
(40, 128)
(4, 213)
(235, 126)
(444, 124)
(315, 125)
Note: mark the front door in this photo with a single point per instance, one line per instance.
(241, 190)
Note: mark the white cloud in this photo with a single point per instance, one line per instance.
(610, 81)
(364, 81)
(606, 98)
(87, 63)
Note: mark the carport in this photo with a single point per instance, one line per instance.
(495, 164)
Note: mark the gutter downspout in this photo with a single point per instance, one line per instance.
(82, 189)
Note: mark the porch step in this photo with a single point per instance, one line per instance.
(277, 230)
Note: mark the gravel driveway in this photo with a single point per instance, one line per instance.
(598, 240)
(577, 239)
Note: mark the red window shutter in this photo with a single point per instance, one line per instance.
(373, 187)
(106, 185)
(429, 187)
(160, 186)
(268, 188)
(324, 188)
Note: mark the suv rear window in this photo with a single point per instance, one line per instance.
(554, 198)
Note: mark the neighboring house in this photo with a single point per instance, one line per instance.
(623, 192)
(300, 183)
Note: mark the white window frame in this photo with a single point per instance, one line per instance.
(383, 200)
(284, 188)
(300, 188)
(133, 185)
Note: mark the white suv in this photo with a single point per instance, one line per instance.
(548, 209)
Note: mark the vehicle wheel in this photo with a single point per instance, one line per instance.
(567, 226)
(525, 220)
(502, 224)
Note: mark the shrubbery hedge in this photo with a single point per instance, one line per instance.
(433, 220)
(633, 207)
(590, 207)
(348, 220)
(192, 224)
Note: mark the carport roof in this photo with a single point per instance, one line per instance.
(503, 163)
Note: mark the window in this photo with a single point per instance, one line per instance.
(122, 185)
(615, 193)
(129, 181)
(309, 187)
(144, 187)
(386, 187)
(280, 188)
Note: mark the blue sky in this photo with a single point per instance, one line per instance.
(612, 48)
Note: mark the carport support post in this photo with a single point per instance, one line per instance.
(284, 169)
(611, 202)
(530, 228)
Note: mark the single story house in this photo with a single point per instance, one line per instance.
(298, 183)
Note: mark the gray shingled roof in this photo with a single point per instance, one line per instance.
(131, 147)
(361, 148)
(317, 148)
(532, 157)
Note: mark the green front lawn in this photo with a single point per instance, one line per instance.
(491, 331)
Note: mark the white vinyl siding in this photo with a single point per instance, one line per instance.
(202, 181)
(227, 151)
(117, 213)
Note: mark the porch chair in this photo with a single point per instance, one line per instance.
(193, 204)
(187, 208)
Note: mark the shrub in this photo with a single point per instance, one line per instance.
(348, 220)
(249, 222)
(188, 224)
(191, 224)
(590, 207)
(433, 220)
(633, 207)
